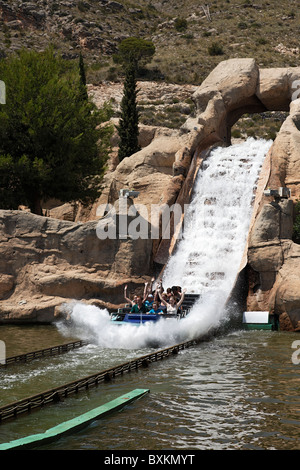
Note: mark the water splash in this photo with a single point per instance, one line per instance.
(207, 258)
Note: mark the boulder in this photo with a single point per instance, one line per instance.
(149, 172)
(6, 285)
(273, 88)
(234, 79)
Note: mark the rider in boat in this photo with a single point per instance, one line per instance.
(139, 307)
(133, 301)
(156, 309)
(172, 306)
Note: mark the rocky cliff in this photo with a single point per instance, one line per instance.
(46, 262)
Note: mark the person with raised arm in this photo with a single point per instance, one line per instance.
(172, 306)
(132, 302)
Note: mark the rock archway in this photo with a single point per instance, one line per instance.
(239, 86)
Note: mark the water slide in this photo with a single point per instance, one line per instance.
(208, 255)
(205, 260)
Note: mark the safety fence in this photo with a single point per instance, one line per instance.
(47, 352)
(54, 395)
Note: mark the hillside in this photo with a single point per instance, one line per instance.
(189, 40)
(186, 51)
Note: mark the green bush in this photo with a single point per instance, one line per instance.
(215, 49)
(83, 6)
(242, 25)
(236, 134)
(180, 24)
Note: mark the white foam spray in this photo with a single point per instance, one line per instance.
(207, 257)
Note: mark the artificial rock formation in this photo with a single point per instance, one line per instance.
(46, 262)
(274, 259)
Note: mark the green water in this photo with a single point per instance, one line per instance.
(236, 391)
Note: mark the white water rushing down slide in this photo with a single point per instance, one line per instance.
(206, 259)
(217, 221)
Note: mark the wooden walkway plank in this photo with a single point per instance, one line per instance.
(42, 353)
(75, 424)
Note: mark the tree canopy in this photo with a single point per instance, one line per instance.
(137, 49)
(51, 141)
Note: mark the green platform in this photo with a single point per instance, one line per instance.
(259, 326)
(75, 424)
(260, 320)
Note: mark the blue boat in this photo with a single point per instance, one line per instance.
(121, 317)
(124, 315)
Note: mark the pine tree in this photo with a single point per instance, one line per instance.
(141, 50)
(51, 141)
(128, 125)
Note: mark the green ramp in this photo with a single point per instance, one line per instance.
(68, 427)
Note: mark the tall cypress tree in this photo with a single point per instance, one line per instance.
(82, 78)
(129, 120)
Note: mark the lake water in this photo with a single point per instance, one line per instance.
(239, 390)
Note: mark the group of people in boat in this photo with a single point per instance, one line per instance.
(157, 301)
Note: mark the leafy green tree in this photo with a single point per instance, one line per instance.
(51, 141)
(128, 125)
(138, 49)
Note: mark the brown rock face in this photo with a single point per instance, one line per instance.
(48, 262)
